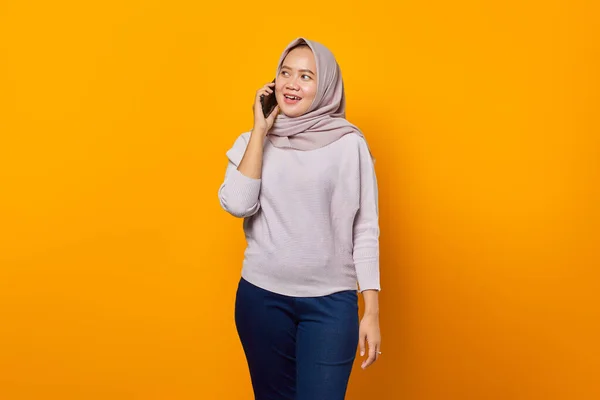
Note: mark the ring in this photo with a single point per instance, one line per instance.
(378, 352)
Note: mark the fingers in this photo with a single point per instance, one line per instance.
(266, 89)
(372, 356)
(262, 92)
(259, 118)
(361, 344)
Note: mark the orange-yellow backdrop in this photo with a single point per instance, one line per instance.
(118, 267)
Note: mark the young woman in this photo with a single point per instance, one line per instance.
(303, 180)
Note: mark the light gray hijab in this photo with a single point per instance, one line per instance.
(325, 121)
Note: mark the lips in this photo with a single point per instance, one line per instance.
(291, 99)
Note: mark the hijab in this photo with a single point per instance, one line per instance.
(325, 120)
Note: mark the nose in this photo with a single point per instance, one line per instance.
(291, 84)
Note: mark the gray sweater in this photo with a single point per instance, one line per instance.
(311, 222)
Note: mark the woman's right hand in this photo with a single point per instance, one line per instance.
(261, 123)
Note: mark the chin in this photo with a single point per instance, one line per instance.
(292, 113)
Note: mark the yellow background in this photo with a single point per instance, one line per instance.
(118, 267)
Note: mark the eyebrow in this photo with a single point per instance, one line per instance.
(300, 70)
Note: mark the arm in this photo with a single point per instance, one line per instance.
(366, 225)
(251, 164)
(239, 192)
(366, 257)
(369, 327)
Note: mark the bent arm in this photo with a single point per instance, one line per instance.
(240, 190)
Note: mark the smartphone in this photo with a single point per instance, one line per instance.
(268, 102)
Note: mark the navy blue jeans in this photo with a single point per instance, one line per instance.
(297, 348)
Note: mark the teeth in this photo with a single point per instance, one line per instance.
(292, 97)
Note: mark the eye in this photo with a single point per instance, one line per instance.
(285, 73)
(306, 77)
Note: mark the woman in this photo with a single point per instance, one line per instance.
(304, 182)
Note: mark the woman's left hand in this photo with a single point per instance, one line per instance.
(369, 333)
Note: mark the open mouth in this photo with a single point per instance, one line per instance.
(290, 99)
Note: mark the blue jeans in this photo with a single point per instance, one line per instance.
(297, 348)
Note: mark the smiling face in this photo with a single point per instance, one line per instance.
(296, 84)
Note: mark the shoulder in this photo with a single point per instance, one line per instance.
(242, 140)
(353, 140)
(356, 144)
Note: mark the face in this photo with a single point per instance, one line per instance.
(296, 84)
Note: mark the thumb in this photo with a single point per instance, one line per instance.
(361, 344)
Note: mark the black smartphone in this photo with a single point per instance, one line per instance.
(268, 102)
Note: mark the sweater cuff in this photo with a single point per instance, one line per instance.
(367, 272)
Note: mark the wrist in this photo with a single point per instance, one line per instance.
(258, 133)
(371, 301)
(371, 312)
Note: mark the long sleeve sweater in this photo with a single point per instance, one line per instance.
(311, 221)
